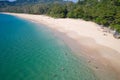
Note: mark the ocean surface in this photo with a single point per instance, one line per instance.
(29, 51)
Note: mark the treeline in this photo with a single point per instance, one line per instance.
(103, 12)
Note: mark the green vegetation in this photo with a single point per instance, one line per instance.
(103, 12)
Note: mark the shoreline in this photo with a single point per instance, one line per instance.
(101, 52)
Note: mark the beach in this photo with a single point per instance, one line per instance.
(99, 47)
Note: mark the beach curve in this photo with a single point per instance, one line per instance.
(102, 51)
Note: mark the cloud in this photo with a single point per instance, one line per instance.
(71, 0)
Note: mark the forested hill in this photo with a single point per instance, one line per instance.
(36, 1)
(5, 3)
(103, 12)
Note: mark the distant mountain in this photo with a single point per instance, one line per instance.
(36, 1)
(5, 3)
(23, 2)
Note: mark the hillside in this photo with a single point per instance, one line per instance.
(25, 2)
(6, 3)
(103, 12)
(36, 1)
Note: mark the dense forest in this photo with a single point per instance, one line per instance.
(103, 12)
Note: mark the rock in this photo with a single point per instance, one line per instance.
(65, 53)
(96, 67)
(116, 35)
(55, 75)
(62, 69)
(89, 61)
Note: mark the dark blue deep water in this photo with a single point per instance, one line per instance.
(30, 52)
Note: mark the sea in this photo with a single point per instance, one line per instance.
(30, 51)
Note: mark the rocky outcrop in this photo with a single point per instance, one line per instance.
(117, 35)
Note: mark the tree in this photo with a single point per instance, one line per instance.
(58, 11)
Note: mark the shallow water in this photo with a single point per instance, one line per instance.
(30, 52)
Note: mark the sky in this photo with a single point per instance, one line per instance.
(11, 0)
(71, 0)
(7, 0)
(65, 0)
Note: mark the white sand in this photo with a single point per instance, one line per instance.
(99, 48)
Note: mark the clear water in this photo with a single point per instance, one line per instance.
(30, 52)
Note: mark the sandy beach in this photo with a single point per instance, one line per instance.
(87, 39)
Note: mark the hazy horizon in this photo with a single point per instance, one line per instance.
(15, 0)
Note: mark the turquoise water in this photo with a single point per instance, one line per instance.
(29, 52)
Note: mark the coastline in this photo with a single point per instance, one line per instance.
(102, 52)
